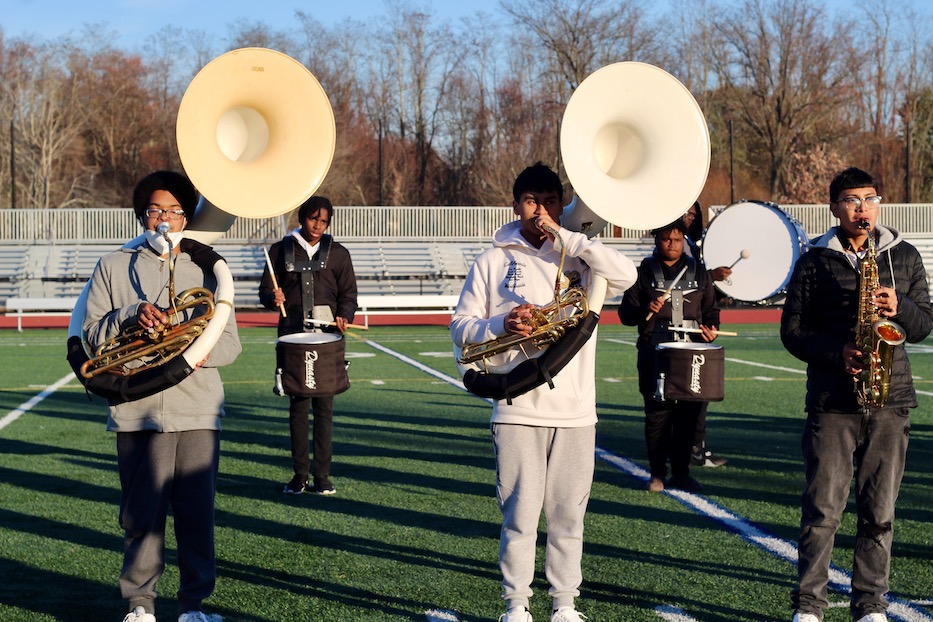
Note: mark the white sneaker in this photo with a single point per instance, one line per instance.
(805, 617)
(516, 614)
(567, 614)
(873, 617)
(200, 616)
(138, 614)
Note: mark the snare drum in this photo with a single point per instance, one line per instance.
(312, 364)
(774, 241)
(693, 372)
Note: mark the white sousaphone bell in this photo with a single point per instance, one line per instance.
(636, 149)
(256, 137)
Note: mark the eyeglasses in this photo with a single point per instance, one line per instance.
(170, 214)
(867, 204)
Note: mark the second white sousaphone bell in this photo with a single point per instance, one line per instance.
(636, 149)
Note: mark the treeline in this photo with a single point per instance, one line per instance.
(436, 113)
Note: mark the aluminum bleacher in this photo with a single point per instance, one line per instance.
(13, 262)
(390, 269)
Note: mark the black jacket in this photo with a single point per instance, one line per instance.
(699, 305)
(821, 311)
(334, 286)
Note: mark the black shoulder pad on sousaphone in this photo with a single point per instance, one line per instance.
(635, 146)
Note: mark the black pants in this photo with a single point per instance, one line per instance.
(670, 428)
(699, 439)
(322, 435)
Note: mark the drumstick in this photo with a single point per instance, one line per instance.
(697, 330)
(275, 284)
(743, 255)
(326, 323)
(669, 289)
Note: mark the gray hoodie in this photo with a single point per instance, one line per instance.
(121, 282)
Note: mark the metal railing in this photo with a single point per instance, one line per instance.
(385, 224)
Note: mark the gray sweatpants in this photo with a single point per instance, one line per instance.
(542, 468)
(158, 471)
(836, 446)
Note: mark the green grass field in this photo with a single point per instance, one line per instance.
(414, 526)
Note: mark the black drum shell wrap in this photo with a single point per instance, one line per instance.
(693, 372)
(312, 364)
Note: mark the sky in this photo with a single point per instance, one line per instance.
(135, 20)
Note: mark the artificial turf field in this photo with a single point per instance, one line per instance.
(413, 532)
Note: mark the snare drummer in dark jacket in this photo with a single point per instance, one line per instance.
(316, 282)
(841, 439)
(670, 425)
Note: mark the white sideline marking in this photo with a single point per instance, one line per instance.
(438, 615)
(672, 614)
(25, 407)
(777, 367)
(839, 579)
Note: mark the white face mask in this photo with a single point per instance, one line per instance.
(158, 242)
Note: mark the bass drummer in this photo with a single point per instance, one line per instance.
(313, 280)
(658, 301)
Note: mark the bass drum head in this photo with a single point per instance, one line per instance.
(772, 240)
(310, 338)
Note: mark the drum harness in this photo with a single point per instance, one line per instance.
(687, 284)
(307, 270)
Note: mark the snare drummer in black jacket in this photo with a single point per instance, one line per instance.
(315, 282)
(842, 439)
(670, 425)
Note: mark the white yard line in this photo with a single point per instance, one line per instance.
(839, 579)
(672, 614)
(25, 407)
(438, 615)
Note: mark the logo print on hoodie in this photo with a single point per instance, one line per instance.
(513, 276)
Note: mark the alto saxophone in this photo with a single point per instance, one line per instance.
(875, 336)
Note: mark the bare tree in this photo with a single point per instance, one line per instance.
(580, 36)
(784, 77)
(416, 68)
(49, 118)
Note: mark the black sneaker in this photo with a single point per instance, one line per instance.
(685, 483)
(703, 457)
(297, 486)
(323, 488)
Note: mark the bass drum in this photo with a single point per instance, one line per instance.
(771, 240)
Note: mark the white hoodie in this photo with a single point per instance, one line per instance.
(514, 272)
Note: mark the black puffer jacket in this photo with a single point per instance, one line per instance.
(821, 311)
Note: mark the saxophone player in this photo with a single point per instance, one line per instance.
(842, 438)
